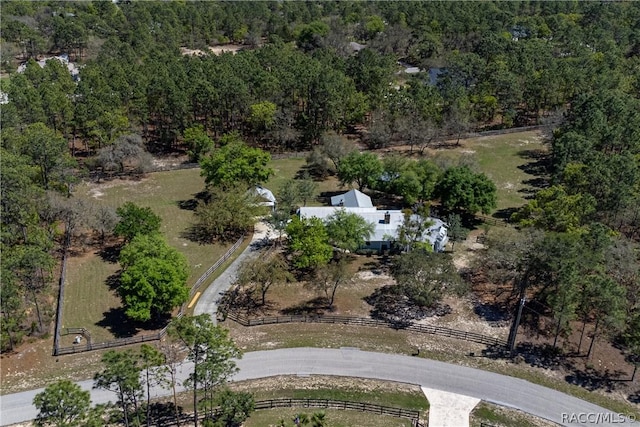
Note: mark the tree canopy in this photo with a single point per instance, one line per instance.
(461, 189)
(154, 279)
(236, 164)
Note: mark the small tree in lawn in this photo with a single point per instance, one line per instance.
(347, 230)
(136, 220)
(121, 375)
(330, 277)
(261, 273)
(362, 168)
(288, 195)
(227, 216)
(461, 189)
(308, 243)
(62, 404)
(306, 188)
(424, 277)
(154, 279)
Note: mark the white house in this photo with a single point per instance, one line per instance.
(386, 222)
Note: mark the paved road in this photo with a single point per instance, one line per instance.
(488, 386)
(208, 301)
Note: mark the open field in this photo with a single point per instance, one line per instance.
(89, 301)
(508, 160)
(333, 418)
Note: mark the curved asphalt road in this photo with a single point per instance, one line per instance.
(500, 389)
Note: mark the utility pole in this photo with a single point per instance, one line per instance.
(514, 327)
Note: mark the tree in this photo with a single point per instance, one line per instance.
(263, 272)
(308, 242)
(198, 141)
(455, 230)
(335, 148)
(362, 168)
(460, 189)
(279, 219)
(121, 375)
(234, 408)
(151, 284)
(424, 277)
(136, 220)
(411, 234)
(262, 116)
(49, 151)
(306, 188)
(289, 195)
(151, 363)
(555, 210)
(62, 404)
(226, 216)
(212, 352)
(236, 164)
(104, 220)
(330, 277)
(347, 230)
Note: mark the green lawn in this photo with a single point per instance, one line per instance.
(501, 158)
(87, 296)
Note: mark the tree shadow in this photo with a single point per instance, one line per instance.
(192, 204)
(496, 314)
(393, 307)
(245, 301)
(504, 214)
(116, 321)
(313, 306)
(113, 281)
(539, 164)
(325, 196)
(593, 380)
(110, 254)
(634, 397)
(164, 413)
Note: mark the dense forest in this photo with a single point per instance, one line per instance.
(305, 70)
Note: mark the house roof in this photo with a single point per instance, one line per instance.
(267, 195)
(352, 199)
(382, 231)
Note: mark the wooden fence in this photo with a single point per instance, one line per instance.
(90, 346)
(412, 415)
(365, 321)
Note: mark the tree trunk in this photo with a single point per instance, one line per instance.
(35, 301)
(593, 339)
(124, 408)
(584, 325)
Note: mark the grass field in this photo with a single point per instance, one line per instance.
(88, 299)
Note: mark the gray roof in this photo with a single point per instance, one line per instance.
(266, 194)
(383, 232)
(352, 199)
